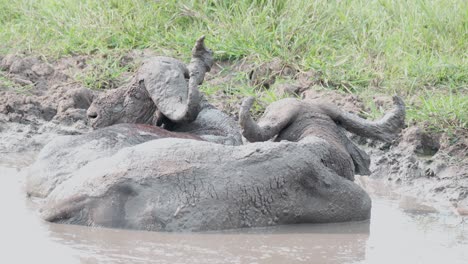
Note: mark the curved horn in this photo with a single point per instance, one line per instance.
(385, 129)
(270, 125)
(200, 64)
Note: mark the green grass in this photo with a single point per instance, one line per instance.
(237, 88)
(360, 46)
(7, 84)
(441, 111)
(104, 72)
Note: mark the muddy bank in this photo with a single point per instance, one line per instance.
(40, 100)
(431, 167)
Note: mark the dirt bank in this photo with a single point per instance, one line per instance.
(40, 100)
(429, 166)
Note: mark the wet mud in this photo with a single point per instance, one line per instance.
(41, 99)
(428, 237)
(426, 166)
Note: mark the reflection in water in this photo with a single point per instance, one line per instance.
(401, 237)
(320, 243)
(403, 230)
(394, 235)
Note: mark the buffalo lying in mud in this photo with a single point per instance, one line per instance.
(165, 92)
(59, 159)
(294, 120)
(143, 177)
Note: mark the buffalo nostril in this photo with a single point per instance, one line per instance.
(92, 115)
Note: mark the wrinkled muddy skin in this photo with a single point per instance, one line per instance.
(294, 120)
(128, 104)
(155, 96)
(59, 159)
(177, 184)
(186, 185)
(212, 125)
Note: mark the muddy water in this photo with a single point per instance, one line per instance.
(400, 231)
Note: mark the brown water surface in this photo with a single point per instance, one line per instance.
(400, 231)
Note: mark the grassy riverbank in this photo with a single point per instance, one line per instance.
(417, 49)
